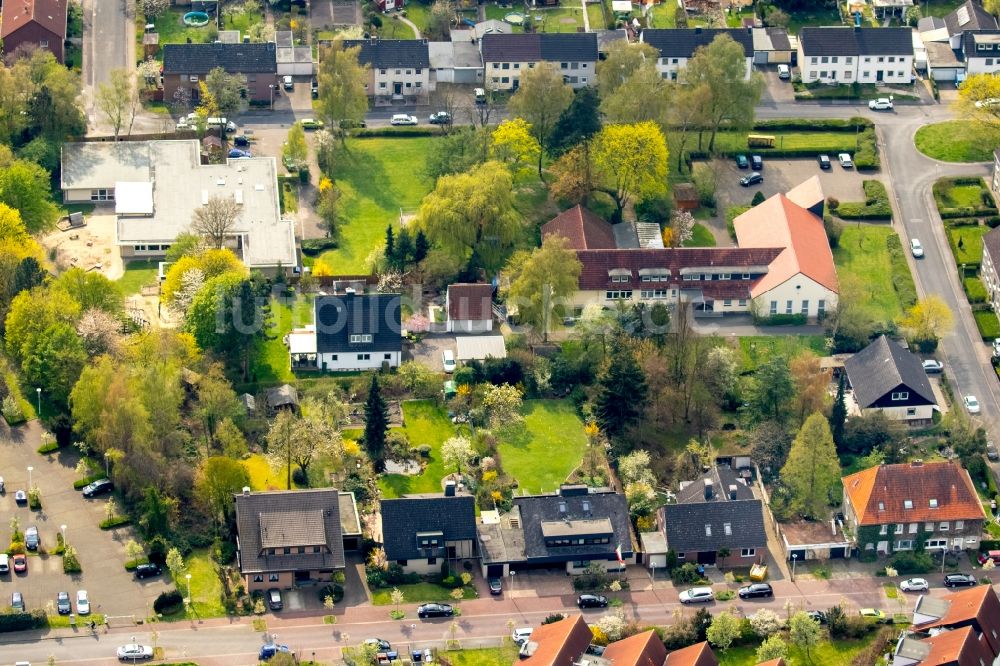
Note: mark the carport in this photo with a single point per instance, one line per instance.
(480, 347)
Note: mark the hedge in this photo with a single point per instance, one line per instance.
(902, 281)
(316, 246)
(368, 133)
(781, 320)
(988, 324)
(14, 621)
(786, 124)
(875, 207)
(168, 602)
(974, 290)
(866, 156)
(987, 205)
(117, 521)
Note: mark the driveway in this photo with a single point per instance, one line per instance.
(777, 91)
(428, 350)
(102, 555)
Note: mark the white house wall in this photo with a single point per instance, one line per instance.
(350, 361)
(983, 65)
(851, 69)
(670, 67)
(797, 289)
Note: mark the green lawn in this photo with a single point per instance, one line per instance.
(757, 349)
(206, 588)
(700, 237)
(551, 446)
(557, 19)
(960, 196)
(863, 254)
(419, 593)
(171, 28)
(483, 656)
(269, 361)
(987, 323)
(821, 142)
(967, 243)
(662, 16)
(939, 7)
(376, 178)
(263, 476)
(242, 21)
(811, 17)
(393, 28)
(827, 652)
(596, 15)
(419, 14)
(958, 141)
(425, 423)
(137, 275)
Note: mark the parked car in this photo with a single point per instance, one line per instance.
(315, 89)
(480, 95)
(872, 614)
(742, 162)
(4, 563)
(63, 604)
(3, 490)
(380, 644)
(753, 179)
(591, 601)
(991, 451)
(98, 487)
(989, 555)
(147, 570)
(274, 599)
(971, 404)
(496, 586)
(986, 103)
(818, 616)
(845, 160)
(824, 162)
(448, 360)
(756, 162)
(238, 153)
(403, 119)
(440, 118)
(756, 590)
(82, 603)
(311, 124)
(914, 585)
(17, 602)
(20, 563)
(134, 652)
(435, 610)
(697, 595)
(880, 104)
(241, 141)
(21, 498)
(916, 249)
(784, 72)
(959, 580)
(31, 538)
(521, 635)
(932, 366)
(269, 650)
(287, 83)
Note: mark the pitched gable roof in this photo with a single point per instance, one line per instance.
(884, 366)
(683, 42)
(339, 317)
(699, 654)
(255, 58)
(958, 647)
(980, 44)
(970, 16)
(535, 47)
(645, 649)
(780, 222)
(574, 509)
(559, 643)
(976, 606)
(50, 14)
(391, 53)
(403, 518)
(470, 301)
(686, 525)
(583, 229)
(878, 495)
(724, 484)
(837, 41)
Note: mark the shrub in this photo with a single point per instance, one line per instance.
(836, 620)
(48, 447)
(71, 564)
(878, 647)
(552, 619)
(117, 521)
(910, 562)
(12, 412)
(832, 203)
(686, 573)
(780, 320)
(299, 477)
(989, 326)
(11, 621)
(758, 199)
(974, 290)
(875, 207)
(168, 602)
(858, 627)
(834, 230)
(316, 246)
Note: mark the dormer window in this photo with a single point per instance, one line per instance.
(708, 530)
(727, 528)
(620, 274)
(361, 339)
(881, 506)
(932, 503)
(900, 395)
(907, 504)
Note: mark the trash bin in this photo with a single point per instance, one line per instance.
(415, 656)
(72, 620)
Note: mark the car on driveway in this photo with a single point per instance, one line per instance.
(20, 564)
(31, 540)
(932, 366)
(845, 160)
(21, 498)
(916, 249)
(756, 590)
(521, 635)
(742, 162)
(82, 603)
(288, 83)
(241, 141)
(269, 650)
(147, 570)
(4, 563)
(591, 601)
(959, 580)
(992, 452)
(63, 604)
(752, 179)
(274, 599)
(496, 586)
(98, 487)
(440, 118)
(697, 595)
(824, 162)
(311, 124)
(435, 610)
(17, 602)
(403, 119)
(914, 585)
(134, 652)
(880, 104)
(872, 614)
(784, 72)
(315, 89)
(971, 404)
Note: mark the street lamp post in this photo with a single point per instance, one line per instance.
(30, 468)
(107, 469)
(38, 391)
(62, 528)
(188, 576)
(652, 572)
(272, 87)
(795, 557)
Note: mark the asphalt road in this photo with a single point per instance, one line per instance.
(108, 44)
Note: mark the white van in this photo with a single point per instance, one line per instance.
(784, 72)
(4, 563)
(480, 95)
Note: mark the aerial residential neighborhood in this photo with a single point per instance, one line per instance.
(563, 333)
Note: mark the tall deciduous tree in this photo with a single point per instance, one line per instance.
(722, 67)
(642, 98)
(805, 632)
(376, 424)
(631, 161)
(217, 481)
(812, 471)
(503, 406)
(725, 629)
(295, 148)
(838, 413)
(229, 90)
(810, 381)
(686, 114)
(512, 143)
(541, 99)
(216, 220)
(623, 60)
(439, 23)
(24, 186)
(772, 390)
(621, 394)
(118, 99)
(979, 92)
(342, 95)
(541, 282)
(574, 174)
(928, 320)
(456, 452)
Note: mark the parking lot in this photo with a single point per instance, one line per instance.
(112, 590)
(781, 175)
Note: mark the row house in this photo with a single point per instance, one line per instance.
(862, 55)
(505, 57)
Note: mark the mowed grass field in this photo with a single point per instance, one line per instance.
(864, 255)
(958, 141)
(550, 447)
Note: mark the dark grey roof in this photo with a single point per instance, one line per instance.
(883, 366)
(391, 53)
(991, 241)
(981, 44)
(282, 396)
(930, 23)
(686, 531)
(402, 519)
(682, 42)
(856, 41)
(234, 58)
(292, 519)
(580, 505)
(535, 47)
(779, 39)
(970, 16)
(339, 317)
(724, 481)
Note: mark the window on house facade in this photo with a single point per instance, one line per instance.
(258, 578)
(943, 526)
(273, 578)
(913, 528)
(824, 60)
(618, 295)
(959, 524)
(932, 503)
(774, 307)
(788, 307)
(748, 552)
(805, 307)
(725, 276)
(727, 528)
(911, 411)
(102, 195)
(745, 276)
(383, 72)
(904, 544)
(727, 303)
(364, 357)
(813, 60)
(743, 302)
(848, 74)
(884, 529)
(929, 527)
(387, 357)
(708, 530)
(899, 528)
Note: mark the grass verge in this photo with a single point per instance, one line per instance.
(958, 141)
(419, 593)
(864, 253)
(758, 349)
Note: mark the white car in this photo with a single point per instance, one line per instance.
(82, 603)
(916, 249)
(914, 585)
(697, 595)
(134, 652)
(448, 360)
(403, 119)
(845, 160)
(932, 366)
(784, 72)
(986, 103)
(971, 404)
(521, 635)
(880, 104)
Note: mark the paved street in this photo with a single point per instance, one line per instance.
(108, 44)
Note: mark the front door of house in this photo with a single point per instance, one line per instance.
(397, 88)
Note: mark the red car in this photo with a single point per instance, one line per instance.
(993, 555)
(20, 563)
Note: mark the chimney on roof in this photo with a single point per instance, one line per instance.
(919, 462)
(857, 28)
(246, 491)
(449, 488)
(697, 31)
(732, 491)
(709, 489)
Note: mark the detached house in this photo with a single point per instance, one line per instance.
(506, 56)
(398, 69)
(559, 643)
(982, 51)
(862, 55)
(886, 378)
(185, 66)
(677, 46)
(893, 507)
(355, 332)
(699, 654)
(420, 532)
(470, 308)
(38, 23)
(717, 520)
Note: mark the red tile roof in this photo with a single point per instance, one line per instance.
(779, 221)
(470, 301)
(877, 494)
(977, 606)
(583, 229)
(699, 654)
(50, 14)
(645, 649)
(773, 662)
(958, 647)
(560, 643)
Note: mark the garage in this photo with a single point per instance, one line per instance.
(839, 553)
(799, 555)
(494, 571)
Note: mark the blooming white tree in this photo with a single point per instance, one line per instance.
(765, 622)
(457, 452)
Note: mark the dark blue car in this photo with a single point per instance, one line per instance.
(269, 650)
(237, 153)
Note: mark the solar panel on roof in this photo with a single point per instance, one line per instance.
(963, 15)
